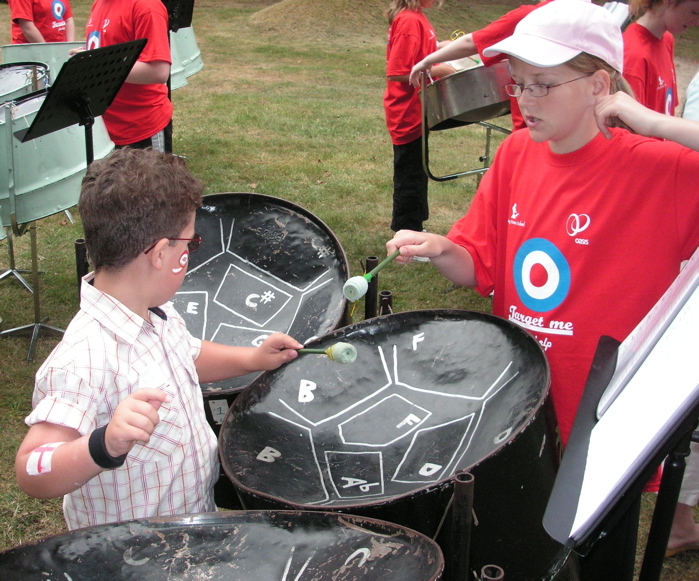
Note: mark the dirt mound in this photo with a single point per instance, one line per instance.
(352, 19)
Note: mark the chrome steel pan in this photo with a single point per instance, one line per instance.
(467, 96)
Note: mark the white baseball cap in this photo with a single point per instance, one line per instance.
(561, 30)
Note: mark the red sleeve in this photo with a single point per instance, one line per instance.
(405, 47)
(502, 28)
(21, 9)
(151, 22)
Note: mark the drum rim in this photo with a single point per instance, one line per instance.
(288, 204)
(368, 503)
(4, 66)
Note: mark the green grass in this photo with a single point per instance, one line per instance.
(289, 104)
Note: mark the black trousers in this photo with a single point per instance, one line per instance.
(164, 137)
(410, 207)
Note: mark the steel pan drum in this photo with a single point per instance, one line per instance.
(19, 79)
(42, 176)
(177, 76)
(266, 265)
(188, 50)
(52, 54)
(467, 96)
(232, 546)
(431, 392)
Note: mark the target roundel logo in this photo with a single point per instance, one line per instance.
(669, 102)
(93, 40)
(541, 275)
(58, 9)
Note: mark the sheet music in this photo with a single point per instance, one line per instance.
(641, 340)
(644, 411)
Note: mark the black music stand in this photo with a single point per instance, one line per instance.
(179, 13)
(179, 16)
(85, 86)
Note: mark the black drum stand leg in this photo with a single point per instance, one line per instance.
(372, 293)
(385, 302)
(462, 510)
(664, 512)
(81, 263)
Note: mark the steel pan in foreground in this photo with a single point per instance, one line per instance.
(467, 96)
(52, 54)
(19, 79)
(431, 392)
(266, 265)
(232, 546)
(46, 172)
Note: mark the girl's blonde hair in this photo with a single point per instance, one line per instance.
(640, 7)
(588, 64)
(397, 6)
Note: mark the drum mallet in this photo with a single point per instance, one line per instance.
(355, 288)
(340, 352)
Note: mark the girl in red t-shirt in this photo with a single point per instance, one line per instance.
(649, 50)
(410, 38)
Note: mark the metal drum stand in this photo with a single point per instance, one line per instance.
(470, 96)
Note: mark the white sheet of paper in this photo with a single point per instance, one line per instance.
(650, 405)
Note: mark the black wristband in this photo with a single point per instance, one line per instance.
(98, 451)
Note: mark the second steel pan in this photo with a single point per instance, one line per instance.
(42, 176)
(266, 265)
(52, 54)
(467, 96)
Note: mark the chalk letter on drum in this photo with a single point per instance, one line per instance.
(429, 469)
(306, 391)
(269, 454)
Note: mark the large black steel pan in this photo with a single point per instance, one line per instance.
(431, 393)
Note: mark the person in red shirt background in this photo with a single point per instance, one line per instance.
(474, 43)
(140, 116)
(41, 21)
(649, 50)
(410, 38)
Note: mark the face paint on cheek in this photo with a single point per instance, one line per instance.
(184, 259)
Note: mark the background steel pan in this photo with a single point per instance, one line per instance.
(188, 50)
(266, 265)
(44, 173)
(52, 54)
(232, 546)
(468, 96)
(431, 392)
(19, 79)
(177, 77)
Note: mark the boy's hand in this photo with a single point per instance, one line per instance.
(134, 420)
(276, 350)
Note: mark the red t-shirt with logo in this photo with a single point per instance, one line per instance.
(410, 39)
(49, 16)
(649, 67)
(575, 247)
(138, 111)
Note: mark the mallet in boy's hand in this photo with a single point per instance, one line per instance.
(340, 352)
